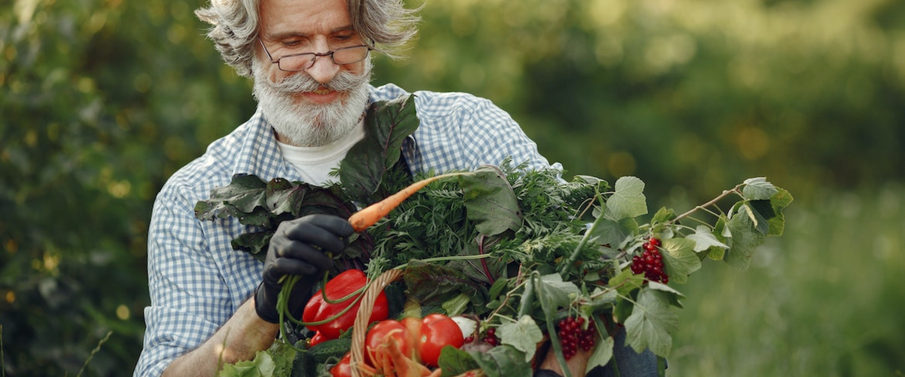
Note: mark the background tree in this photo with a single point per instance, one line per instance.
(102, 100)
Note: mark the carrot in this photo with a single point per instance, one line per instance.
(368, 216)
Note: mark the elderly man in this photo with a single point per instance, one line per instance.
(310, 62)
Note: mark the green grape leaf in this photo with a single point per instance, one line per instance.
(624, 307)
(680, 260)
(652, 322)
(672, 294)
(602, 353)
(663, 215)
(758, 189)
(628, 199)
(660, 220)
(555, 291)
(745, 238)
(601, 300)
(523, 335)
(723, 235)
(625, 281)
(615, 232)
(780, 201)
(704, 239)
(490, 201)
(761, 211)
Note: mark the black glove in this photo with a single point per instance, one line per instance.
(297, 248)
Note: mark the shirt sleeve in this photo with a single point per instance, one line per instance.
(460, 131)
(496, 136)
(189, 299)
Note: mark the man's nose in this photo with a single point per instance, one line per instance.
(323, 69)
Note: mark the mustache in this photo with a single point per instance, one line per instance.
(344, 81)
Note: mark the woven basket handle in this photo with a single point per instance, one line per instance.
(363, 316)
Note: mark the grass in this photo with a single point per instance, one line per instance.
(825, 299)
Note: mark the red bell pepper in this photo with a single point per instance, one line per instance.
(342, 285)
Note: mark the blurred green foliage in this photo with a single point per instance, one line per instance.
(825, 299)
(102, 100)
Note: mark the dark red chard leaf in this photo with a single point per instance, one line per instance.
(387, 124)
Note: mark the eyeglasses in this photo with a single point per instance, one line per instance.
(306, 60)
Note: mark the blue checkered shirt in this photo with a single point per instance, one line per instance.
(197, 281)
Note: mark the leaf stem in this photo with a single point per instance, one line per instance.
(2, 361)
(342, 299)
(702, 222)
(506, 299)
(527, 298)
(93, 352)
(288, 282)
(704, 206)
(484, 262)
(551, 329)
(566, 267)
(443, 259)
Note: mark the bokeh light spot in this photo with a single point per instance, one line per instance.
(122, 312)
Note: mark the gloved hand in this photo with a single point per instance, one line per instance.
(297, 248)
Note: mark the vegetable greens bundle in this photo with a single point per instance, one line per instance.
(518, 249)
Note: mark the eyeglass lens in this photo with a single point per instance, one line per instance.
(346, 55)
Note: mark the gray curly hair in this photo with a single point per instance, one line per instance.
(386, 25)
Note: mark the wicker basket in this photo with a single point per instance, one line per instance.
(362, 317)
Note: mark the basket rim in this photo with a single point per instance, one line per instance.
(363, 315)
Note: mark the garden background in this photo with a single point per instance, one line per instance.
(102, 100)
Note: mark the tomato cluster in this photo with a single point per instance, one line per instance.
(421, 340)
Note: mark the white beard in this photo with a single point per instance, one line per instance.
(311, 125)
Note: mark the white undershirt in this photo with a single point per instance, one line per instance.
(315, 163)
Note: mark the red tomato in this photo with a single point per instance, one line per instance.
(413, 325)
(343, 368)
(422, 339)
(388, 328)
(317, 310)
(437, 331)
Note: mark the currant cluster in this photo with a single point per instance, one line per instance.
(650, 263)
(491, 338)
(572, 336)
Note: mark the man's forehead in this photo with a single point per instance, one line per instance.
(304, 17)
